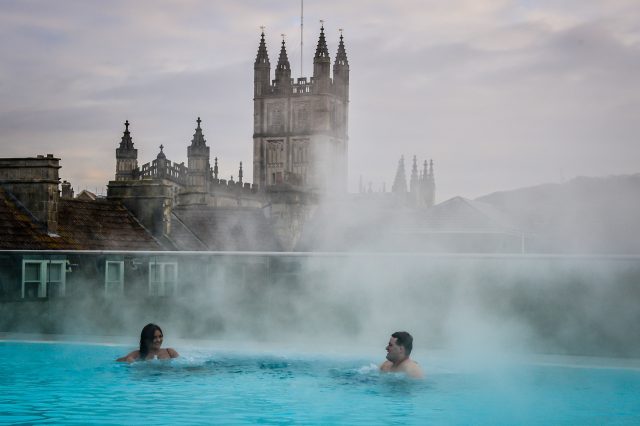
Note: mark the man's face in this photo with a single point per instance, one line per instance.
(395, 352)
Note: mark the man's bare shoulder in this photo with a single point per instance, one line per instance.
(412, 369)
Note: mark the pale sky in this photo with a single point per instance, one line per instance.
(500, 94)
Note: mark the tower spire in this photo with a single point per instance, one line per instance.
(261, 69)
(341, 55)
(198, 138)
(283, 69)
(199, 169)
(400, 182)
(430, 183)
(126, 142)
(321, 48)
(341, 70)
(321, 62)
(413, 183)
(161, 155)
(262, 57)
(126, 156)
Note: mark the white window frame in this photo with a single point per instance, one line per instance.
(44, 276)
(114, 288)
(158, 283)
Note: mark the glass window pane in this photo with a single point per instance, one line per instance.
(113, 271)
(169, 272)
(154, 271)
(32, 271)
(55, 272)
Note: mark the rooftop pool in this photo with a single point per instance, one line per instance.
(81, 384)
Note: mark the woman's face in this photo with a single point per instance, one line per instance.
(156, 343)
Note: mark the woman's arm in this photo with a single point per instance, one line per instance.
(129, 357)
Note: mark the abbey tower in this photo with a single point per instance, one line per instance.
(300, 128)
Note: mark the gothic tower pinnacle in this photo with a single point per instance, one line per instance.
(413, 183)
(261, 69)
(126, 156)
(321, 63)
(198, 160)
(341, 70)
(283, 71)
(400, 182)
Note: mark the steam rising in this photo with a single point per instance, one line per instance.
(476, 306)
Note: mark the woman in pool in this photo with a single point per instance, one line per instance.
(150, 343)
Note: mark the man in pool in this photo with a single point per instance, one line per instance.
(398, 351)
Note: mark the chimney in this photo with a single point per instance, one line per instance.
(34, 182)
(67, 190)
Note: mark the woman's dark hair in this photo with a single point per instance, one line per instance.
(146, 337)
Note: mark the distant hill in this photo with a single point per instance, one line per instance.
(584, 215)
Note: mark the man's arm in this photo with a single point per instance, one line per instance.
(386, 366)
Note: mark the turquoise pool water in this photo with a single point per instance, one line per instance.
(72, 383)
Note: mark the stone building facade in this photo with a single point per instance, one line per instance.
(157, 190)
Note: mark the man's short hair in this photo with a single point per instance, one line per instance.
(405, 340)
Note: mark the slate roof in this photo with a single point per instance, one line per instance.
(82, 225)
(222, 229)
(18, 229)
(102, 225)
(461, 214)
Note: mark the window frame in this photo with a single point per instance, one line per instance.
(120, 282)
(44, 278)
(161, 283)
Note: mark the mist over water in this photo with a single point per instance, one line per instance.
(478, 308)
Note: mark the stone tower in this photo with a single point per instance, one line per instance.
(199, 169)
(126, 156)
(300, 128)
